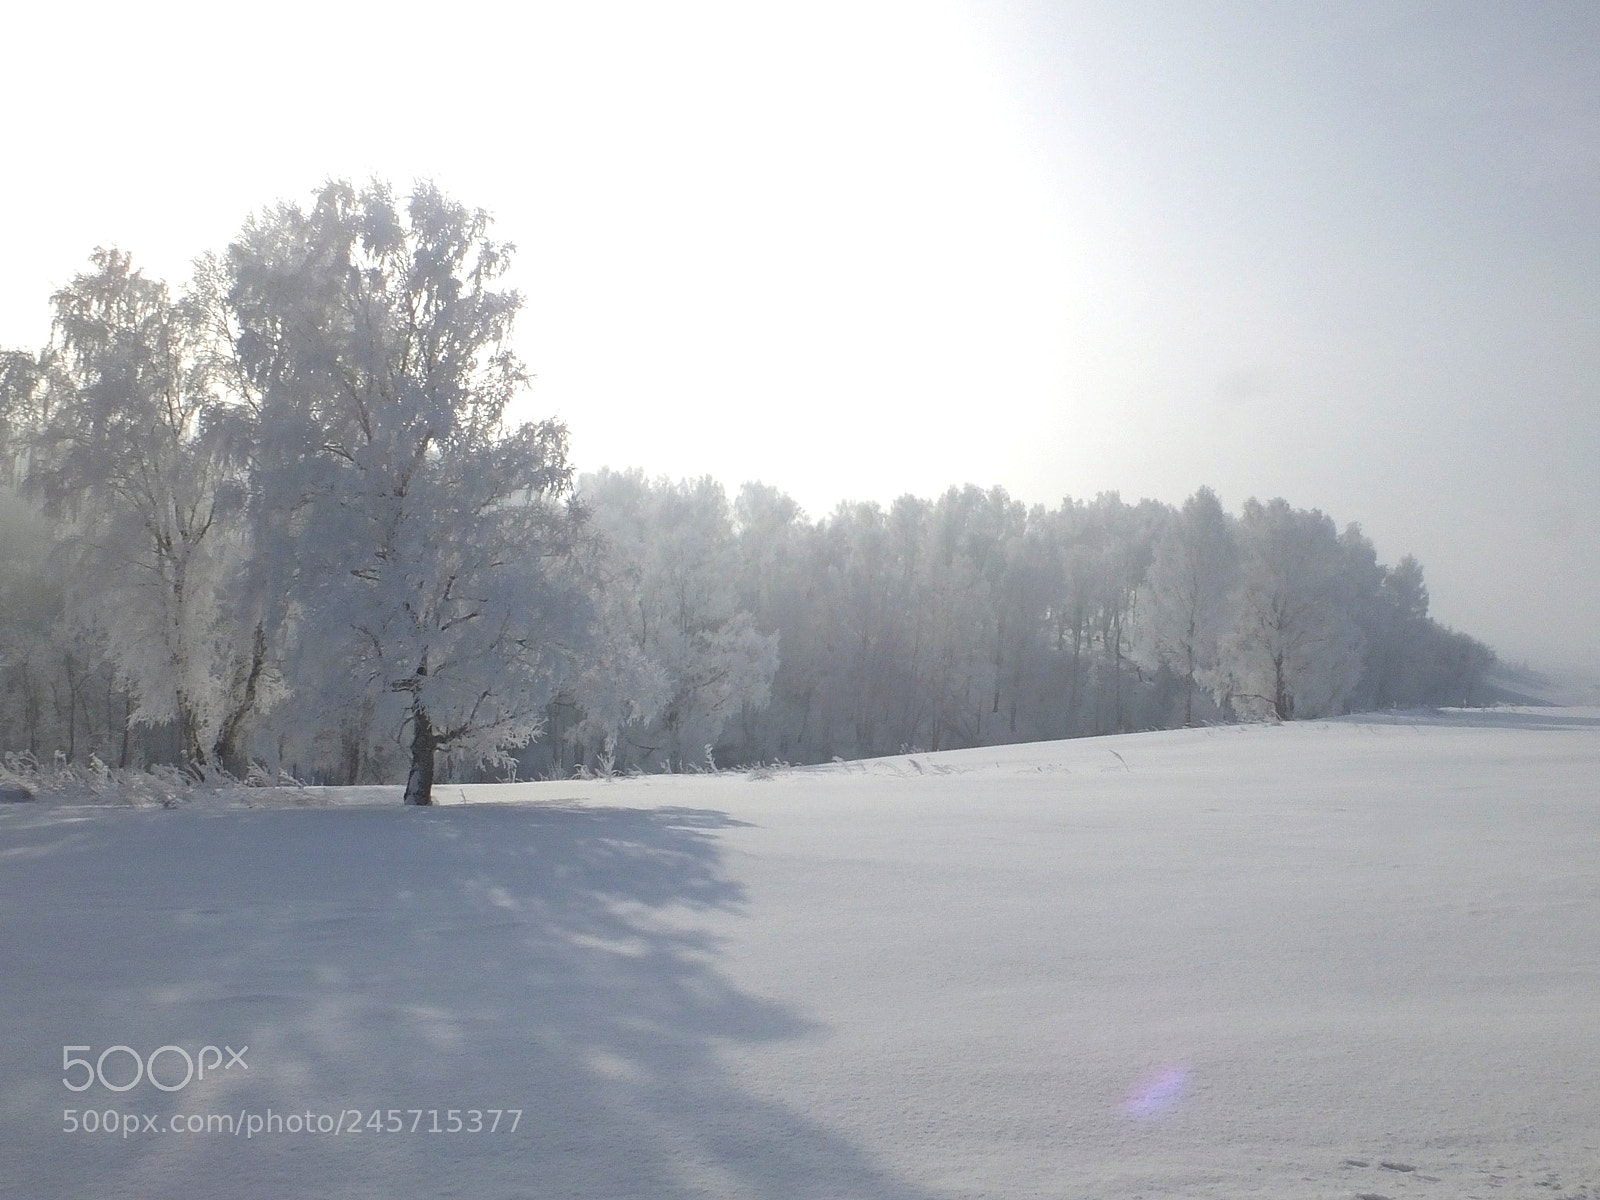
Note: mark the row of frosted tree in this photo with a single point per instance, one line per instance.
(973, 620)
(280, 522)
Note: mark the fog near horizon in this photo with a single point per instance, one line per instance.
(1344, 254)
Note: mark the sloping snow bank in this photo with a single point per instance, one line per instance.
(1357, 957)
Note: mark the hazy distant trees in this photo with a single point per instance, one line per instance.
(1414, 660)
(970, 619)
(1190, 592)
(280, 520)
(1295, 646)
(672, 596)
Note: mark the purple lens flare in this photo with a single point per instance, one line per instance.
(1157, 1091)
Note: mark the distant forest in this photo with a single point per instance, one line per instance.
(279, 523)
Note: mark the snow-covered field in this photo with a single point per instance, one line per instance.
(1356, 957)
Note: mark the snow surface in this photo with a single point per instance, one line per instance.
(1242, 961)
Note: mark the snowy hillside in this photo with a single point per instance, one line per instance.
(1335, 959)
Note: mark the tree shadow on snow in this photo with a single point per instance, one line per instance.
(553, 960)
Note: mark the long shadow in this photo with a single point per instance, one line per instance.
(552, 960)
(1482, 718)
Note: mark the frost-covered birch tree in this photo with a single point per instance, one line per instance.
(1294, 648)
(674, 562)
(422, 537)
(113, 424)
(1188, 592)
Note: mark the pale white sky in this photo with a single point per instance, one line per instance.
(1347, 253)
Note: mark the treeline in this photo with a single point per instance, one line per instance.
(278, 522)
(974, 620)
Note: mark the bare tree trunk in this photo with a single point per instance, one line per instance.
(228, 750)
(189, 730)
(1116, 679)
(1188, 683)
(31, 711)
(1282, 699)
(72, 708)
(999, 643)
(419, 782)
(1077, 678)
